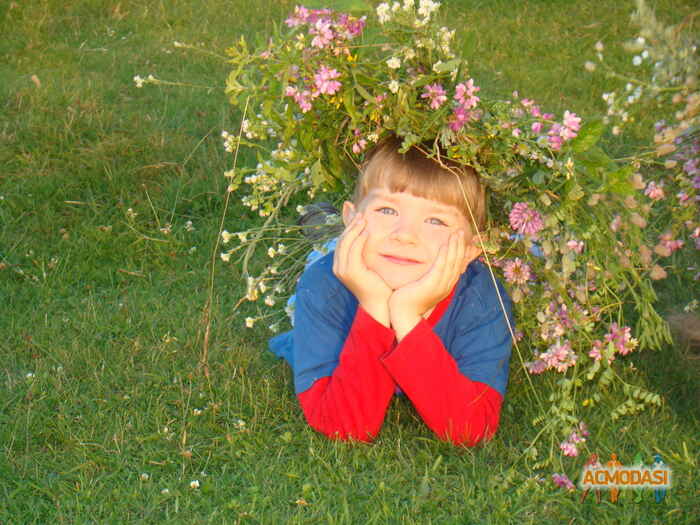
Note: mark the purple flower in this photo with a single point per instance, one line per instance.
(324, 80)
(536, 367)
(525, 220)
(562, 481)
(436, 94)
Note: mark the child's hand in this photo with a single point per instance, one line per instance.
(367, 286)
(408, 303)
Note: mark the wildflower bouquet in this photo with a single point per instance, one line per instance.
(570, 229)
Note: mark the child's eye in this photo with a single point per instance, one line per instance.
(385, 210)
(436, 221)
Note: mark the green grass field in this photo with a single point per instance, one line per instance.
(110, 203)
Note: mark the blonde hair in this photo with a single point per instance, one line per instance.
(443, 180)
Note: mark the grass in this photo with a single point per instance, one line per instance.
(105, 415)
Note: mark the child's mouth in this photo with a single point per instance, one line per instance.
(400, 260)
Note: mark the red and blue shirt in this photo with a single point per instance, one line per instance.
(453, 366)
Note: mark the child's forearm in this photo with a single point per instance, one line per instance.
(352, 402)
(456, 408)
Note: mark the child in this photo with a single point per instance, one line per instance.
(402, 303)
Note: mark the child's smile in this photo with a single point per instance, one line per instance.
(405, 234)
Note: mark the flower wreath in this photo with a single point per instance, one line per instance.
(568, 227)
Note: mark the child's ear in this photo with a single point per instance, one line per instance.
(349, 212)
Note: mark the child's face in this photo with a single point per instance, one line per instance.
(405, 233)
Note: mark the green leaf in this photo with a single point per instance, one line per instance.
(593, 158)
(349, 103)
(319, 175)
(588, 136)
(619, 181)
(340, 5)
(447, 67)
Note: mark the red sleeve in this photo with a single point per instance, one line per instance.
(456, 408)
(352, 402)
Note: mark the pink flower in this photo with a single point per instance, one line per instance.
(576, 246)
(554, 136)
(436, 94)
(459, 118)
(516, 132)
(571, 121)
(525, 220)
(536, 127)
(299, 16)
(324, 80)
(463, 90)
(654, 192)
(323, 33)
(668, 244)
(516, 271)
(569, 449)
(616, 223)
(562, 481)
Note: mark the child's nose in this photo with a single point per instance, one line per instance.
(405, 230)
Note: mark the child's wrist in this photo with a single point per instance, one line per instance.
(403, 324)
(378, 310)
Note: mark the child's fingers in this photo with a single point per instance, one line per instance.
(344, 246)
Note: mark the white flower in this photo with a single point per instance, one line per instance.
(144, 476)
(242, 236)
(188, 226)
(427, 7)
(197, 412)
(281, 249)
(262, 287)
(641, 41)
(249, 322)
(599, 46)
(408, 5)
(194, 484)
(409, 54)
(394, 63)
(270, 301)
(131, 214)
(167, 229)
(225, 256)
(139, 81)
(271, 252)
(637, 60)
(393, 86)
(226, 236)
(589, 66)
(383, 13)
(301, 210)
(30, 375)
(274, 270)
(165, 492)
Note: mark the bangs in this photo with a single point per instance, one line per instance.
(412, 172)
